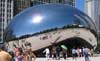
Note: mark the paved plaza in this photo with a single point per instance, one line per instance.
(70, 59)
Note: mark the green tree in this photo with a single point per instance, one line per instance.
(98, 46)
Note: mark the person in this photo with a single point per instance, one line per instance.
(64, 51)
(4, 56)
(26, 55)
(86, 54)
(74, 53)
(20, 57)
(58, 50)
(53, 52)
(83, 51)
(92, 52)
(47, 51)
(32, 55)
(16, 52)
(79, 52)
(12, 54)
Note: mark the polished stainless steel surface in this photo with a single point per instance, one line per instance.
(41, 18)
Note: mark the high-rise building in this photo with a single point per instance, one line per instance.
(6, 14)
(92, 8)
(20, 5)
(0, 28)
(70, 2)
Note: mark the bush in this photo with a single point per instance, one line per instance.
(98, 47)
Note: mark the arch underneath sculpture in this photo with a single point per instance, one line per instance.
(75, 42)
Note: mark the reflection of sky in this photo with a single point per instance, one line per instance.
(55, 16)
(80, 4)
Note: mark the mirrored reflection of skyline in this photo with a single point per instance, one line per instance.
(44, 17)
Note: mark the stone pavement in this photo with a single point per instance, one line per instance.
(70, 59)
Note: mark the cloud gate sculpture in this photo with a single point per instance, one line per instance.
(42, 25)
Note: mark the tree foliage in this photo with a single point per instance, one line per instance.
(98, 46)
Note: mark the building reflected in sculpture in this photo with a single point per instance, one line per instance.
(42, 25)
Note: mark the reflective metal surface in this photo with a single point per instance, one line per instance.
(40, 18)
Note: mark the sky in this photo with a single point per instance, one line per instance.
(80, 4)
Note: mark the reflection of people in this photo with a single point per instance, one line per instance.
(4, 56)
(47, 51)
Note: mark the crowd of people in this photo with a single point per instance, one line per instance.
(19, 54)
(56, 52)
(82, 52)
